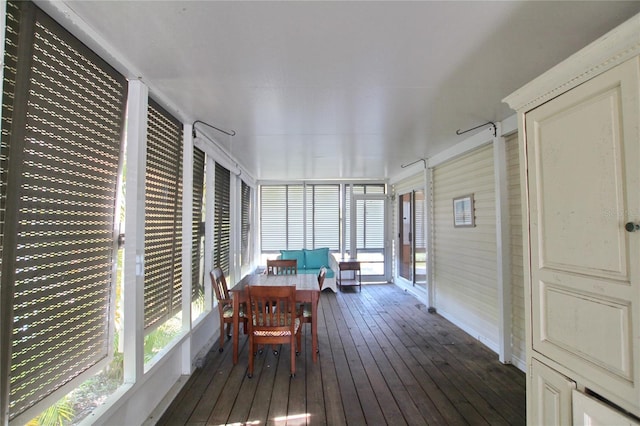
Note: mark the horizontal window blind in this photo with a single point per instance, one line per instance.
(299, 216)
(245, 224)
(370, 223)
(324, 203)
(58, 237)
(197, 225)
(295, 217)
(222, 219)
(163, 218)
(365, 225)
(273, 217)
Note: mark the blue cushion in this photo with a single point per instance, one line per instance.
(315, 259)
(293, 254)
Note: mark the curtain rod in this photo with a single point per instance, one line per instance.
(226, 132)
(495, 129)
(411, 164)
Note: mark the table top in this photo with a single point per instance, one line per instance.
(301, 281)
(349, 264)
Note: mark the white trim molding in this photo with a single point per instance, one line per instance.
(617, 46)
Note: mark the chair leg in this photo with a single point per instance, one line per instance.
(299, 341)
(251, 356)
(221, 337)
(293, 357)
(228, 330)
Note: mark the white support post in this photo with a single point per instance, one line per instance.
(187, 231)
(133, 285)
(503, 252)
(428, 227)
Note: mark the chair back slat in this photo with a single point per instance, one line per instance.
(219, 284)
(282, 267)
(271, 308)
(321, 276)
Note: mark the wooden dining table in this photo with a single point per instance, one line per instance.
(307, 291)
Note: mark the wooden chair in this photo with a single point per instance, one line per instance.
(305, 312)
(272, 320)
(225, 305)
(282, 267)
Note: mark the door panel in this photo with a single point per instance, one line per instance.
(583, 164)
(589, 411)
(406, 224)
(369, 224)
(549, 395)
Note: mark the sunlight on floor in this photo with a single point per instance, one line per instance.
(292, 417)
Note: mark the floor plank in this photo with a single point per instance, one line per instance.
(384, 359)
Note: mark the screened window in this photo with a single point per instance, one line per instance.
(197, 232)
(61, 151)
(222, 219)
(245, 224)
(323, 216)
(273, 217)
(369, 218)
(299, 216)
(163, 218)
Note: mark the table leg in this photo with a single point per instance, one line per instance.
(314, 325)
(236, 327)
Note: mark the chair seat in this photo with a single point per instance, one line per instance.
(306, 310)
(227, 311)
(276, 333)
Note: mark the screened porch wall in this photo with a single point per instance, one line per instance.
(309, 215)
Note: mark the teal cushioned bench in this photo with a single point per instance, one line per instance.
(311, 261)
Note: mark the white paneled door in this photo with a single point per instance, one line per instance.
(584, 190)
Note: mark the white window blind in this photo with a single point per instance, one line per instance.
(369, 218)
(273, 217)
(323, 202)
(285, 209)
(63, 114)
(295, 217)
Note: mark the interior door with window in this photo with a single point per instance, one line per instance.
(412, 253)
(368, 224)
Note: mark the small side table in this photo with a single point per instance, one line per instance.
(350, 265)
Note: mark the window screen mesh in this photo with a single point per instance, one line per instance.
(197, 226)
(295, 217)
(299, 216)
(72, 119)
(163, 218)
(369, 218)
(323, 216)
(222, 219)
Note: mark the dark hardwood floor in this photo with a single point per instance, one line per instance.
(383, 360)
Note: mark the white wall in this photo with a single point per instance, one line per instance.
(468, 265)
(518, 335)
(465, 258)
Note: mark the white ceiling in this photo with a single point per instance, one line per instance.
(349, 90)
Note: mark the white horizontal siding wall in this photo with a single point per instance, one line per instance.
(518, 339)
(466, 290)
